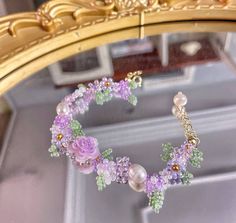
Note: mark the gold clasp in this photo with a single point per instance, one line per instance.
(135, 76)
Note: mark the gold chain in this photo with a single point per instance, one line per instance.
(186, 123)
(180, 112)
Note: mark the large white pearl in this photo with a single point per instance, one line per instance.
(138, 187)
(63, 109)
(137, 177)
(180, 99)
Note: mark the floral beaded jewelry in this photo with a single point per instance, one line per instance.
(68, 138)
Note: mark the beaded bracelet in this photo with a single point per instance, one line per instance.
(68, 138)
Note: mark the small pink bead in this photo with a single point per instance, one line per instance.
(180, 99)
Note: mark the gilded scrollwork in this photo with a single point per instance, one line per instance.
(59, 24)
(127, 5)
(49, 15)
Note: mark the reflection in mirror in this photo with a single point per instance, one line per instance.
(37, 188)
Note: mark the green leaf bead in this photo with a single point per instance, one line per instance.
(55, 154)
(101, 182)
(99, 98)
(75, 124)
(167, 152)
(76, 128)
(196, 158)
(107, 154)
(133, 84)
(107, 95)
(156, 201)
(78, 132)
(133, 100)
(186, 178)
(53, 151)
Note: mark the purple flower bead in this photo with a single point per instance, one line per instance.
(108, 170)
(122, 174)
(82, 106)
(61, 137)
(176, 179)
(95, 85)
(89, 95)
(176, 167)
(106, 83)
(62, 121)
(156, 183)
(85, 150)
(124, 90)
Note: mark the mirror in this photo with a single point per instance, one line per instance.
(201, 63)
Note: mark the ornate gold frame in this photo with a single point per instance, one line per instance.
(61, 28)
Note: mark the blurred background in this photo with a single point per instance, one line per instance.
(35, 188)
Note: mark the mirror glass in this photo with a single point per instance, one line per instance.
(36, 188)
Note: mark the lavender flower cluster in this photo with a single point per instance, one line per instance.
(100, 91)
(175, 170)
(67, 135)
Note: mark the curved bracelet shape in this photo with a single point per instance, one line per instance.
(68, 138)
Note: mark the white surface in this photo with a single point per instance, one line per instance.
(9, 129)
(32, 185)
(141, 141)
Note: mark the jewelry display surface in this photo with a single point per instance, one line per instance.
(180, 46)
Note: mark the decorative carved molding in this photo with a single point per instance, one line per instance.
(59, 23)
(49, 15)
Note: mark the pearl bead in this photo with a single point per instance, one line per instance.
(137, 176)
(180, 99)
(138, 187)
(63, 109)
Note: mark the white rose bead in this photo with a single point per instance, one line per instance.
(63, 109)
(137, 177)
(180, 99)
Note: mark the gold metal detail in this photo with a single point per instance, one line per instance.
(49, 15)
(36, 39)
(189, 132)
(59, 137)
(135, 76)
(175, 167)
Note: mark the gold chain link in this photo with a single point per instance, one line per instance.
(135, 76)
(186, 123)
(180, 112)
